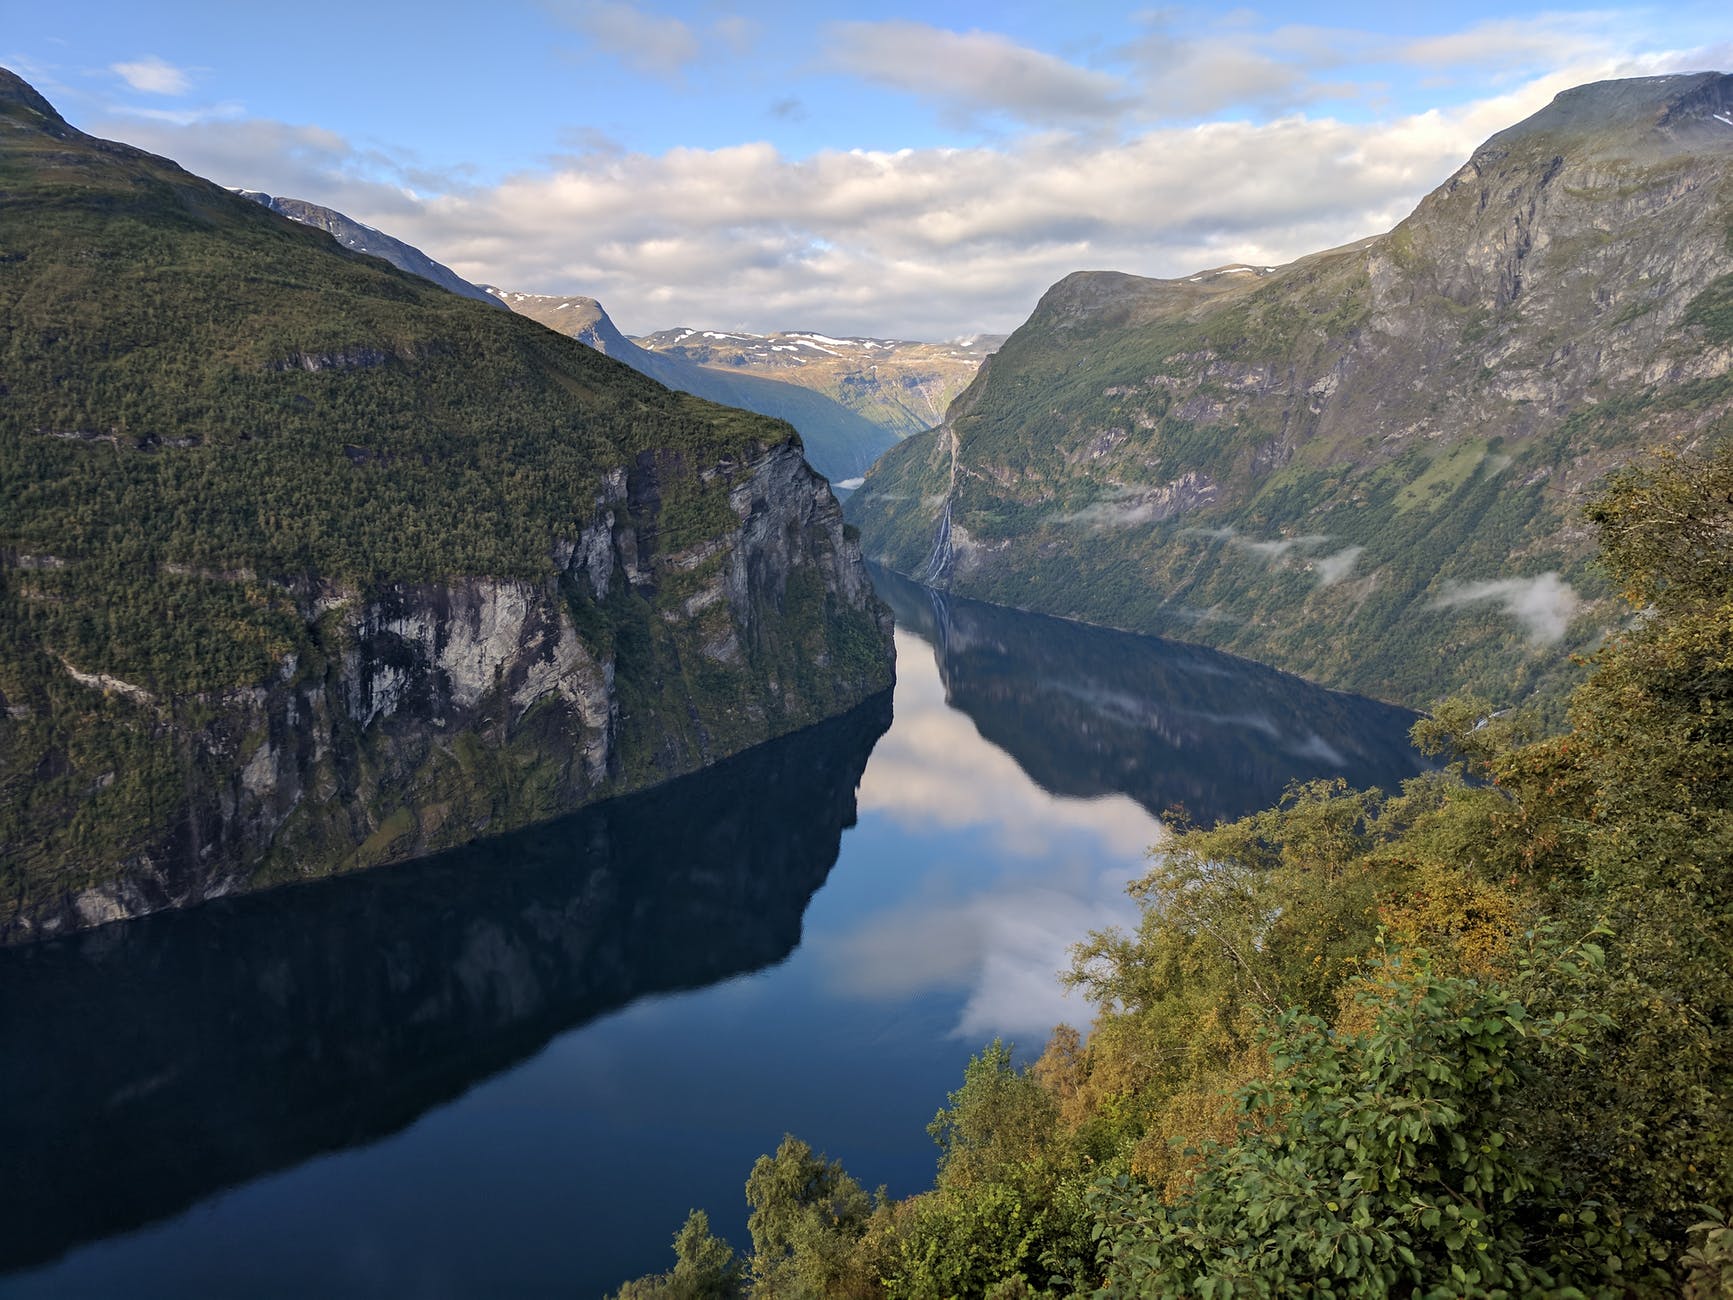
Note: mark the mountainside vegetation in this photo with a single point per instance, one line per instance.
(1369, 466)
(246, 473)
(1471, 1037)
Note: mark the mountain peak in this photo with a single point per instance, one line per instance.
(21, 106)
(574, 315)
(1643, 116)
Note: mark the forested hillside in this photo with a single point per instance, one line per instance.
(1472, 1037)
(308, 564)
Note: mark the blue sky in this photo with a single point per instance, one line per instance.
(911, 170)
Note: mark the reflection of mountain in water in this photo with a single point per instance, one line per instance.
(1087, 711)
(150, 1064)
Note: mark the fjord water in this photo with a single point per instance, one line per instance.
(514, 1068)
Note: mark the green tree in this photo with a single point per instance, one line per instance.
(807, 1217)
(1391, 1160)
(705, 1268)
(1008, 1206)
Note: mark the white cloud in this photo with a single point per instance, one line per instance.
(736, 33)
(1268, 551)
(1238, 64)
(647, 42)
(976, 72)
(918, 243)
(225, 112)
(1502, 42)
(153, 76)
(1543, 605)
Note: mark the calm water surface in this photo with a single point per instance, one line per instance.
(514, 1068)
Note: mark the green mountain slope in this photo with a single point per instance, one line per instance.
(1366, 466)
(840, 444)
(306, 563)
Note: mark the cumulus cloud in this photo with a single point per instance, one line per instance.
(1503, 42)
(737, 34)
(1544, 605)
(153, 76)
(228, 111)
(917, 243)
(976, 73)
(301, 161)
(647, 42)
(1235, 64)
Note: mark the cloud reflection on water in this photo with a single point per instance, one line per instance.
(933, 766)
(1001, 929)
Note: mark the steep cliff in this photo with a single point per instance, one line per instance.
(840, 443)
(308, 565)
(1367, 466)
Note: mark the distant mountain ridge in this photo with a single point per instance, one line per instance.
(1368, 466)
(366, 239)
(903, 386)
(840, 444)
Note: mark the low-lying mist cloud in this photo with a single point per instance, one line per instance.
(1269, 550)
(1331, 569)
(1105, 515)
(1544, 605)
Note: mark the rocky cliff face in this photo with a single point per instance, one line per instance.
(1368, 466)
(423, 715)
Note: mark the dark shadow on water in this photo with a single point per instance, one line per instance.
(146, 1066)
(1087, 711)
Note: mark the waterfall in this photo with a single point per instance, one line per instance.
(939, 562)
